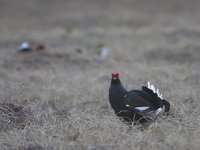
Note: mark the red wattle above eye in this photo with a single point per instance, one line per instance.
(117, 74)
(113, 74)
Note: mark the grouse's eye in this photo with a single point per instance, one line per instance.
(117, 74)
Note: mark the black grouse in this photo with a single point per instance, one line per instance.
(136, 105)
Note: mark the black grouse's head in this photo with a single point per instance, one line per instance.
(115, 78)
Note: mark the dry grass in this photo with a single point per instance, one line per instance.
(64, 94)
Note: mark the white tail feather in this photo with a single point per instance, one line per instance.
(149, 85)
(152, 87)
(158, 92)
(158, 111)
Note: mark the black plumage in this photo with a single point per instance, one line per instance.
(136, 105)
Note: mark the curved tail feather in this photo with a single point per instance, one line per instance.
(157, 96)
(154, 90)
(167, 105)
(150, 92)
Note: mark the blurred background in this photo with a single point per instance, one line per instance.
(123, 25)
(56, 60)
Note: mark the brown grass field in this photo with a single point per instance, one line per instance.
(64, 94)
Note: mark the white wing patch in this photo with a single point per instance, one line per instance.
(142, 108)
(152, 87)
